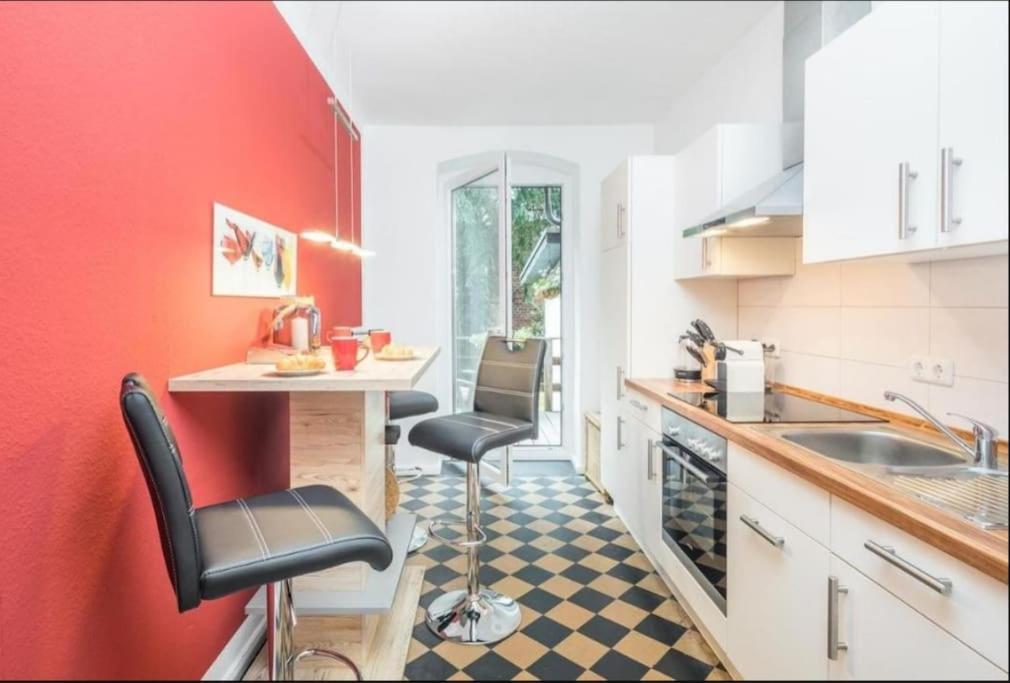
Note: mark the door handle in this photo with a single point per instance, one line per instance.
(620, 382)
(620, 436)
(905, 176)
(649, 473)
(834, 645)
(620, 219)
(947, 163)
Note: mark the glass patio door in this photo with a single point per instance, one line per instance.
(479, 207)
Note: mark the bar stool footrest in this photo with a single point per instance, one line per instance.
(407, 473)
(329, 654)
(440, 523)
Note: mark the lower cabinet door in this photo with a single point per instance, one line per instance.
(885, 639)
(777, 606)
(649, 492)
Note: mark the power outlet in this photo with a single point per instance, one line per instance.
(933, 370)
(772, 347)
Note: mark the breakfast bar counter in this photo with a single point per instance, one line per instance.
(337, 437)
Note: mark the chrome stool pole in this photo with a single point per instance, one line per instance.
(474, 615)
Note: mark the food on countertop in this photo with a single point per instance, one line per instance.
(301, 361)
(396, 351)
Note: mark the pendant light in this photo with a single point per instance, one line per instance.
(323, 236)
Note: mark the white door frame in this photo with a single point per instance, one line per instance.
(555, 171)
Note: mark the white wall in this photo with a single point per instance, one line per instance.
(850, 330)
(745, 86)
(406, 285)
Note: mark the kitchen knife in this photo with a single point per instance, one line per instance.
(696, 354)
(703, 329)
(695, 338)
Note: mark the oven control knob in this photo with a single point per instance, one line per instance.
(673, 431)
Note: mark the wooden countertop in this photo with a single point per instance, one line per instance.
(370, 375)
(982, 549)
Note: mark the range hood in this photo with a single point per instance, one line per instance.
(774, 208)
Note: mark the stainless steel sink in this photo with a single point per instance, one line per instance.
(935, 475)
(873, 447)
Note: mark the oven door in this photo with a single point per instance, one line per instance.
(694, 517)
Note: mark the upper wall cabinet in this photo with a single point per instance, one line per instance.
(906, 135)
(726, 161)
(718, 167)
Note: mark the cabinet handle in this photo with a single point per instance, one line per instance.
(649, 474)
(755, 525)
(620, 219)
(705, 262)
(620, 382)
(639, 405)
(905, 175)
(947, 163)
(942, 586)
(834, 645)
(620, 436)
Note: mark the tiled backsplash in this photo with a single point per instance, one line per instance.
(850, 330)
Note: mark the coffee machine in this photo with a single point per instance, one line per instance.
(740, 367)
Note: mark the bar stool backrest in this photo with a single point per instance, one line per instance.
(508, 379)
(161, 463)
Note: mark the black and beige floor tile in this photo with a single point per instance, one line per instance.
(593, 606)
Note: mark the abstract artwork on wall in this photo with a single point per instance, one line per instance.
(252, 257)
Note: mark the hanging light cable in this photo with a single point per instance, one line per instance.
(319, 235)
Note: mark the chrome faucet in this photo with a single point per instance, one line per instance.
(983, 453)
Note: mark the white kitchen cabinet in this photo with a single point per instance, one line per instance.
(974, 609)
(640, 311)
(614, 206)
(722, 164)
(735, 257)
(614, 361)
(777, 616)
(973, 119)
(885, 639)
(638, 500)
(883, 100)
(871, 105)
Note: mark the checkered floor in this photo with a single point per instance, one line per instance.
(593, 608)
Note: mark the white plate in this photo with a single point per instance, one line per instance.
(298, 373)
(379, 356)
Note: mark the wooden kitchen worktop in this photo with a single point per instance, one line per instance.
(369, 375)
(984, 550)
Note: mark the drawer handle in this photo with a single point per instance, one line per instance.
(890, 555)
(755, 525)
(638, 404)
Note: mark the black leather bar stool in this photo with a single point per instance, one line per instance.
(404, 404)
(249, 542)
(505, 407)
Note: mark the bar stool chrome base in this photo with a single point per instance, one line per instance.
(418, 539)
(281, 620)
(460, 617)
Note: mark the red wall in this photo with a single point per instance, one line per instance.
(120, 124)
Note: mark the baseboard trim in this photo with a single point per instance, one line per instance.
(233, 661)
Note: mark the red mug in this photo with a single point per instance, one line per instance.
(379, 339)
(347, 352)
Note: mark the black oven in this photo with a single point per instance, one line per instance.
(694, 501)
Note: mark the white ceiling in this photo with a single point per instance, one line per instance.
(472, 63)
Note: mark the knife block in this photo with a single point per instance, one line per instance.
(708, 371)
